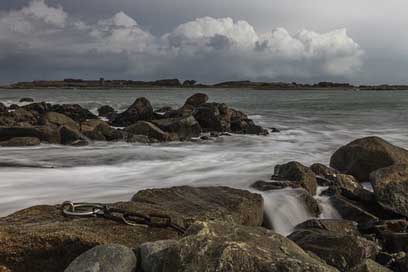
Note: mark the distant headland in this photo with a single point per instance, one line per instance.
(71, 83)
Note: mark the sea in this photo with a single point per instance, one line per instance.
(312, 124)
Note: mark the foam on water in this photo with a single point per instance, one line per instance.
(312, 126)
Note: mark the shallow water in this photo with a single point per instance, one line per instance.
(313, 124)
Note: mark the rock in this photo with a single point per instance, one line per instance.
(340, 250)
(44, 133)
(71, 137)
(184, 127)
(189, 83)
(140, 110)
(131, 138)
(148, 129)
(324, 171)
(350, 210)
(4, 269)
(106, 258)
(390, 186)
(41, 239)
(401, 264)
(105, 111)
(20, 141)
(164, 109)
(270, 185)
(3, 108)
(274, 130)
(37, 108)
(347, 182)
(296, 172)
(58, 119)
(311, 204)
(207, 203)
(24, 118)
(14, 106)
(394, 242)
(220, 246)
(197, 99)
(240, 123)
(98, 130)
(333, 225)
(363, 156)
(370, 266)
(213, 117)
(74, 111)
(26, 99)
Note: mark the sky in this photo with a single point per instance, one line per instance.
(359, 41)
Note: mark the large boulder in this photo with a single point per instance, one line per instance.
(220, 246)
(140, 110)
(37, 108)
(24, 118)
(184, 127)
(20, 141)
(207, 203)
(41, 239)
(213, 117)
(98, 130)
(338, 249)
(71, 136)
(351, 210)
(105, 258)
(105, 111)
(363, 156)
(347, 182)
(74, 111)
(296, 172)
(58, 119)
(148, 129)
(390, 186)
(197, 99)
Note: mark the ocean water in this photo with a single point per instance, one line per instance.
(313, 125)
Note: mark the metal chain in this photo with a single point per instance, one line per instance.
(69, 208)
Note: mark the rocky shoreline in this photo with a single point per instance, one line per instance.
(71, 124)
(226, 229)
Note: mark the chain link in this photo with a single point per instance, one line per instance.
(69, 208)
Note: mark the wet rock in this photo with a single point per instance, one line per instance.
(23, 118)
(4, 269)
(213, 117)
(3, 108)
(41, 239)
(247, 126)
(363, 156)
(296, 172)
(207, 203)
(370, 266)
(341, 250)
(394, 241)
(74, 111)
(197, 99)
(131, 138)
(20, 141)
(26, 99)
(71, 137)
(219, 246)
(106, 258)
(324, 171)
(311, 204)
(184, 127)
(350, 210)
(148, 129)
(189, 83)
(58, 119)
(98, 130)
(14, 106)
(140, 110)
(164, 109)
(105, 111)
(274, 130)
(401, 264)
(390, 186)
(44, 133)
(333, 225)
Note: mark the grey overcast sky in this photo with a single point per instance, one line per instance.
(359, 41)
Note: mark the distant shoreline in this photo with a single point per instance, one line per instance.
(103, 84)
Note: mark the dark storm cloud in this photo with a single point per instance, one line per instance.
(206, 40)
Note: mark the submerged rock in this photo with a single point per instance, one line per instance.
(140, 110)
(219, 246)
(104, 258)
(105, 111)
(390, 186)
(296, 172)
(363, 156)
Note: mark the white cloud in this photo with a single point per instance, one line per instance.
(206, 48)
